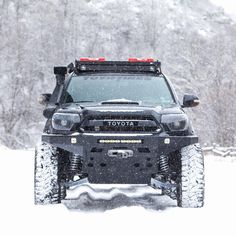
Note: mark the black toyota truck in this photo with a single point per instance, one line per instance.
(117, 122)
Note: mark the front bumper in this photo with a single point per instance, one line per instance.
(101, 168)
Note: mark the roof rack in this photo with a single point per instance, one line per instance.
(135, 65)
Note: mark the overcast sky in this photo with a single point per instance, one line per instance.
(228, 5)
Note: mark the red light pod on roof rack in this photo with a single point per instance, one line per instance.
(134, 59)
(92, 59)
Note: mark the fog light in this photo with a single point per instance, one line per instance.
(73, 140)
(166, 141)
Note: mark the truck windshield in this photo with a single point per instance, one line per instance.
(145, 89)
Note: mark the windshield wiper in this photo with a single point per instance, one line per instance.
(120, 101)
(83, 101)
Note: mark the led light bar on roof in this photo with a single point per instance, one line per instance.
(139, 65)
(92, 59)
(134, 59)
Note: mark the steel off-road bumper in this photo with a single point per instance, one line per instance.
(101, 167)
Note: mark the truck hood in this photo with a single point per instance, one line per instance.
(92, 109)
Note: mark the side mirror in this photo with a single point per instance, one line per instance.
(44, 98)
(190, 101)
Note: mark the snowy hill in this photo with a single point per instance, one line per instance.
(123, 210)
(194, 40)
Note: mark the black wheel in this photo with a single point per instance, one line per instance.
(47, 189)
(190, 191)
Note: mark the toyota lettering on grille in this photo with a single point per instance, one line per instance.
(116, 123)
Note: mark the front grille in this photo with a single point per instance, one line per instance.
(113, 123)
(119, 129)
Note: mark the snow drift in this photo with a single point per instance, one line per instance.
(113, 210)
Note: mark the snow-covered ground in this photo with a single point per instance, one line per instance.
(104, 210)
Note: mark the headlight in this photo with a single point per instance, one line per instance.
(64, 121)
(175, 122)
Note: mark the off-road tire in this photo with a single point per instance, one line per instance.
(190, 190)
(46, 178)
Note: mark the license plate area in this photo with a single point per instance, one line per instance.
(120, 163)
